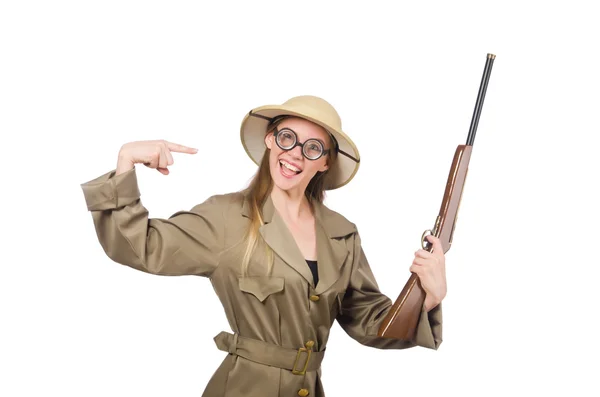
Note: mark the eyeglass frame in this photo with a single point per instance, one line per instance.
(324, 151)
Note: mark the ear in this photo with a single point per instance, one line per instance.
(324, 168)
(269, 140)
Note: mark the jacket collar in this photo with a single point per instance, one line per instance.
(331, 251)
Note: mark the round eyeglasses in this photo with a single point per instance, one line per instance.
(312, 148)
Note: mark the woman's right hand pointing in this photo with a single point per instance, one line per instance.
(153, 154)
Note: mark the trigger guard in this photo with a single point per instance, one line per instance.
(423, 241)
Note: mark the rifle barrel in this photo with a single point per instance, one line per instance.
(487, 70)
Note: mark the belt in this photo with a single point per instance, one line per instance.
(270, 354)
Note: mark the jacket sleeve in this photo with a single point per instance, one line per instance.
(187, 243)
(364, 308)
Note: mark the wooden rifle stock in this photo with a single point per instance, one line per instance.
(403, 317)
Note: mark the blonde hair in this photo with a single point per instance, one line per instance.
(260, 188)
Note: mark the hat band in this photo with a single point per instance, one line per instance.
(337, 146)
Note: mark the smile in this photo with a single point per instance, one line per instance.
(287, 169)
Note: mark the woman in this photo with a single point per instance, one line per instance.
(283, 265)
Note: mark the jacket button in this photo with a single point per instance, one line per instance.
(303, 392)
(309, 344)
(314, 298)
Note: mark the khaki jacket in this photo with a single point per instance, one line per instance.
(281, 322)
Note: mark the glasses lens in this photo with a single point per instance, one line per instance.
(313, 149)
(286, 138)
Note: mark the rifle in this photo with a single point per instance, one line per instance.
(401, 321)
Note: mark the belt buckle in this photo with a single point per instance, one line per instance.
(303, 370)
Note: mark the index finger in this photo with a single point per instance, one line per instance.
(175, 147)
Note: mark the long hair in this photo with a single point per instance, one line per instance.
(260, 188)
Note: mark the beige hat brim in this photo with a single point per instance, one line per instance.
(254, 127)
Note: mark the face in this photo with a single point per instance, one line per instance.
(304, 169)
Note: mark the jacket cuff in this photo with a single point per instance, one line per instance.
(109, 191)
(429, 331)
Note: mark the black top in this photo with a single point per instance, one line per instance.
(313, 269)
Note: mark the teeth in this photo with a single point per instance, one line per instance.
(289, 166)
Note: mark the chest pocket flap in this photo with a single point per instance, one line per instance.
(261, 286)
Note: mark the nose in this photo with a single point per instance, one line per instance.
(296, 153)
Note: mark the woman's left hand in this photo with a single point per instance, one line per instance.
(431, 269)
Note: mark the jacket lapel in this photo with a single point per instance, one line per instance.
(331, 251)
(331, 254)
(277, 235)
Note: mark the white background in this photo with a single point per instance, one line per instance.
(80, 78)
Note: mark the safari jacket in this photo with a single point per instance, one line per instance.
(276, 320)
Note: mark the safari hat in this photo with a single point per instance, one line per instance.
(312, 108)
